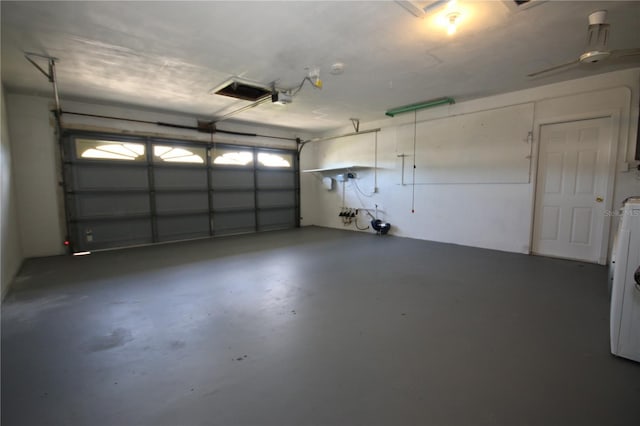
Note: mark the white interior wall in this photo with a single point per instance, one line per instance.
(36, 172)
(36, 156)
(495, 216)
(10, 249)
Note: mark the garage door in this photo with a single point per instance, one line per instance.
(129, 191)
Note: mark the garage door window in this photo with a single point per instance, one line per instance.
(173, 154)
(225, 157)
(274, 160)
(109, 150)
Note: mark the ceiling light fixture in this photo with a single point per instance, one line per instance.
(452, 22)
(445, 13)
(337, 68)
(450, 17)
(422, 105)
(314, 77)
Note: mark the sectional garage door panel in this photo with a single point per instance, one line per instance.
(123, 191)
(225, 179)
(234, 222)
(281, 199)
(103, 234)
(180, 178)
(233, 200)
(183, 227)
(233, 191)
(272, 179)
(97, 177)
(276, 194)
(108, 205)
(181, 202)
(276, 219)
(92, 205)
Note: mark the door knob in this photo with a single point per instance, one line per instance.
(599, 199)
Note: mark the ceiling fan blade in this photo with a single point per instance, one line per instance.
(625, 52)
(556, 68)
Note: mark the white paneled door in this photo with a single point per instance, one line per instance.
(571, 190)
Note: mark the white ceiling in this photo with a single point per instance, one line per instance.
(168, 55)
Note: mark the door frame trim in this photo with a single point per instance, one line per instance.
(614, 115)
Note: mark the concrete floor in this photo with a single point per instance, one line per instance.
(312, 327)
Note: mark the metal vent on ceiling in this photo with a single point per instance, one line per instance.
(241, 89)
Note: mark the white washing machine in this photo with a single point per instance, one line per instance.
(625, 290)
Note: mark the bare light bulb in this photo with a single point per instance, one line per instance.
(314, 77)
(452, 25)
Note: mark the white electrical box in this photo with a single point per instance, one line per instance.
(327, 183)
